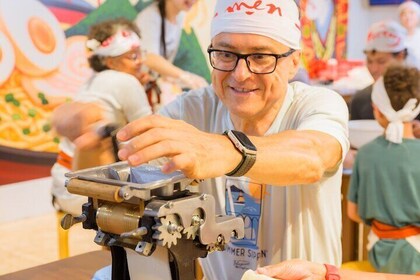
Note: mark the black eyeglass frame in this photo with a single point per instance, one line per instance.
(245, 57)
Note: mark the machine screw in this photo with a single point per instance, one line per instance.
(219, 239)
(203, 197)
(169, 204)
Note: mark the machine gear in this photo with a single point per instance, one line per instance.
(168, 230)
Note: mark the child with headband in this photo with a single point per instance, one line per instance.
(384, 187)
(116, 57)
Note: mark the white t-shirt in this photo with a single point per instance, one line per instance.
(120, 95)
(122, 99)
(149, 22)
(302, 221)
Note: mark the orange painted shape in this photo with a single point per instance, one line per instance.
(41, 34)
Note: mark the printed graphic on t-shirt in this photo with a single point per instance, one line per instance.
(243, 199)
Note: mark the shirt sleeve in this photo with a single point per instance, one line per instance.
(120, 95)
(325, 111)
(150, 23)
(134, 100)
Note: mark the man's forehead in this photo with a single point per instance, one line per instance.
(378, 55)
(241, 41)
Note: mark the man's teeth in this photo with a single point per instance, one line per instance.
(242, 90)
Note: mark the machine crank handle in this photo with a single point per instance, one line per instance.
(137, 233)
(68, 220)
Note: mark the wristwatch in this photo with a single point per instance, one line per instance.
(332, 272)
(246, 148)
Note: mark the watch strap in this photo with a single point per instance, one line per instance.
(246, 163)
(332, 272)
(244, 166)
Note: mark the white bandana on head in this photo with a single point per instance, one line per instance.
(410, 5)
(278, 20)
(118, 44)
(394, 131)
(386, 36)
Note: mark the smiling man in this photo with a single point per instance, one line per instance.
(269, 151)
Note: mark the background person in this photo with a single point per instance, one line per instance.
(409, 13)
(384, 186)
(292, 188)
(161, 25)
(385, 46)
(115, 87)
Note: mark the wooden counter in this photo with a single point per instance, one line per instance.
(354, 235)
(81, 267)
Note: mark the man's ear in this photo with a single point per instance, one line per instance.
(295, 64)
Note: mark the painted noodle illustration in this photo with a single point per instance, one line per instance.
(22, 124)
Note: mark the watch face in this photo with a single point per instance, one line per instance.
(244, 140)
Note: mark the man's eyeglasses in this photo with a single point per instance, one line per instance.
(258, 63)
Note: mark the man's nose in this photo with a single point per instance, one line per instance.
(241, 71)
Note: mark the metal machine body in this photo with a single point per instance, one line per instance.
(141, 208)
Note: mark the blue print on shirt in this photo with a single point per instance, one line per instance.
(243, 199)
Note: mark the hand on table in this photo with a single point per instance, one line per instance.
(294, 270)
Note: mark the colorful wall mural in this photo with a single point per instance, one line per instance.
(43, 64)
(324, 33)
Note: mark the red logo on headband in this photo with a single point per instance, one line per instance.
(385, 34)
(250, 9)
(107, 41)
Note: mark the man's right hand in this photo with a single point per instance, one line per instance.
(76, 121)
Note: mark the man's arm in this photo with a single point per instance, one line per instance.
(290, 157)
(295, 157)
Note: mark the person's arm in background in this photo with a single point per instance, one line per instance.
(305, 270)
(416, 128)
(352, 212)
(165, 68)
(353, 193)
(75, 119)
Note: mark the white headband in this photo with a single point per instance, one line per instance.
(118, 44)
(394, 131)
(278, 20)
(386, 36)
(411, 5)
